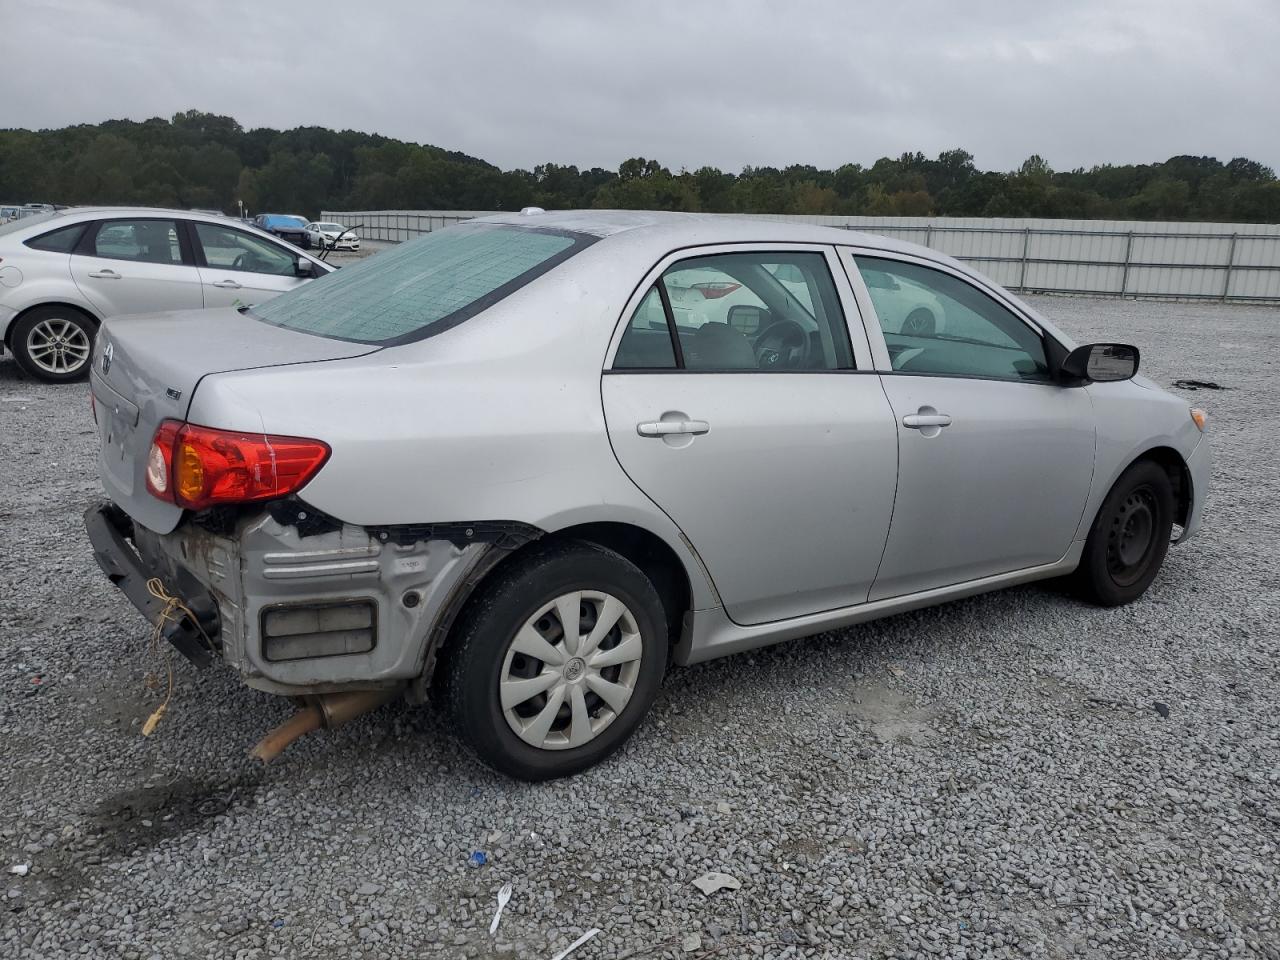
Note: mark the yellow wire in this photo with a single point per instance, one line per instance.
(173, 611)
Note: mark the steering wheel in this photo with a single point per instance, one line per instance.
(242, 261)
(776, 346)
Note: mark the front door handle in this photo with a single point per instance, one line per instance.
(226, 284)
(667, 428)
(107, 274)
(918, 421)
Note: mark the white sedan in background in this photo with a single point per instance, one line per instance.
(333, 236)
(63, 273)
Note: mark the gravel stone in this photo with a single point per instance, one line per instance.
(989, 778)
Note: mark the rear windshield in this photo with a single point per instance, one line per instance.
(422, 286)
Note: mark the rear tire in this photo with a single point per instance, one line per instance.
(535, 701)
(1129, 538)
(54, 343)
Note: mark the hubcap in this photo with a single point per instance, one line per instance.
(570, 670)
(1132, 536)
(58, 346)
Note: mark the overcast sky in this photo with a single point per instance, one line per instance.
(759, 82)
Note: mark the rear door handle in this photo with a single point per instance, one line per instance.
(918, 421)
(226, 284)
(105, 275)
(665, 428)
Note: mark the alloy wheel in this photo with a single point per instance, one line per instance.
(570, 670)
(58, 346)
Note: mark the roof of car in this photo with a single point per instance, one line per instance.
(660, 232)
(137, 211)
(678, 228)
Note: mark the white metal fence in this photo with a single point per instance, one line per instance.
(1194, 261)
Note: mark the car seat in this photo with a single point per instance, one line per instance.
(718, 346)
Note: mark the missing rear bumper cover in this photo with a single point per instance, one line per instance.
(310, 522)
(304, 631)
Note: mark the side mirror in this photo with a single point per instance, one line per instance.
(302, 267)
(1101, 362)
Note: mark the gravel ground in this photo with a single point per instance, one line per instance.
(991, 778)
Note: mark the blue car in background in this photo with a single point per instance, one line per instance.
(286, 227)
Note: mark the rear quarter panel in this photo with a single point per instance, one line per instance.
(499, 418)
(46, 278)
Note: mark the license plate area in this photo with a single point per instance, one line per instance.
(117, 423)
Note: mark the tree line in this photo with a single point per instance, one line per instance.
(203, 160)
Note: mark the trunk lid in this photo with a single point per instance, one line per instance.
(146, 369)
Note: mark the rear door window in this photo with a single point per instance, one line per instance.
(423, 286)
(767, 312)
(647, 343)
(146, 241)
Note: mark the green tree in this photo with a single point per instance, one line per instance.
(1163, 198)
(196, 158)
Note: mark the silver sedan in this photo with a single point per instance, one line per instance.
(522, 464)
(63, 272)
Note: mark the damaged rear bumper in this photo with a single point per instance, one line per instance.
(299, 607)
(110, 531)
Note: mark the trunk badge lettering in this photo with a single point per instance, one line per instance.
(173, 394)
(108, 353)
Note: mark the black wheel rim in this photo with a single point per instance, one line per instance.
(1131, 540)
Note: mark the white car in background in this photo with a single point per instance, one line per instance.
(62, 273)
(333, 236)
(906, 306)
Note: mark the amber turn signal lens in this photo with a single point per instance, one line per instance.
(1200, 417)
(188, 471)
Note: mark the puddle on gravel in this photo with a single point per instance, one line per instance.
(133, 821)
(138, 819)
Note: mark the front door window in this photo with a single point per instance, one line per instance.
(936, 323)
(229, 249)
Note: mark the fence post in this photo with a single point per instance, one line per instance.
(1231, 259)
(1026, 245)
(928, 234)
(1128, 252)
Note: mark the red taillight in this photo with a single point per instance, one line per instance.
(159, 458)
(197, 467)
(715, 289)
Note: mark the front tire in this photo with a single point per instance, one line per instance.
(556, 661)
(1129, 537)
(54, 343)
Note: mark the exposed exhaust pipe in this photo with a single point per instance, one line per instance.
(327, 710)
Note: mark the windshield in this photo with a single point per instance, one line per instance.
(331, 226)
(286, 221)
(15, 225)
(423, 286)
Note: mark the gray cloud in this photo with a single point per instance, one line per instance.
(696, 82)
